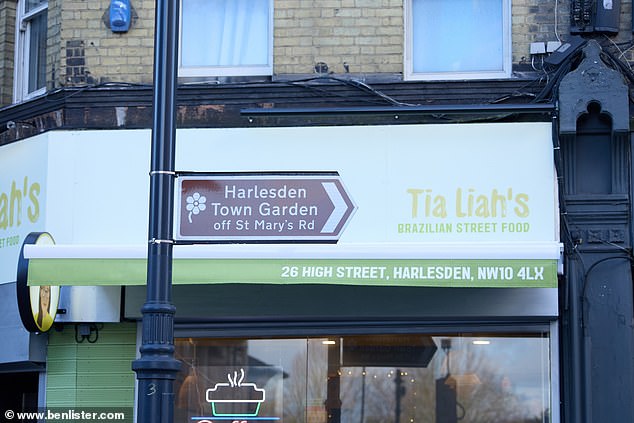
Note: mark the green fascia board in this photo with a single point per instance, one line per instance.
(458, 273)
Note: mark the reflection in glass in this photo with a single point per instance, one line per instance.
(37, 52)
(366, 379)
(458, 35)
(32, 4)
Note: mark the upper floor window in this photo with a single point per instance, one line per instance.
(226, 38)
(30, 63)
(457, 39)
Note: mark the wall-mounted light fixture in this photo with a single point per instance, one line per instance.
(120, 15)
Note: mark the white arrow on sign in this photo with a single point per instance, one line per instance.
(340, 207)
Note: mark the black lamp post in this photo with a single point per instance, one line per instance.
(156, 369)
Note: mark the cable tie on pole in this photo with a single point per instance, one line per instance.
(162, 172)
(161, 241)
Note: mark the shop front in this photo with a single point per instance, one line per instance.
(331, 274)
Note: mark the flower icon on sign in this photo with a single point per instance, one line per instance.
(195, 204)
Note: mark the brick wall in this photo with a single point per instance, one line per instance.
(7, 50)
(339, 36)
(538, 21)
(358, 36)
(549, 20)
(53, 43)
(90, 53)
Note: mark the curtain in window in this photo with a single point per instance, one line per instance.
(225, 33)
(458, 35)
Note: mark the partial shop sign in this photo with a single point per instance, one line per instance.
(23, 170)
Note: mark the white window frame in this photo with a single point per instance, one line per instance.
(431, 76)
(214, 71)
(23, 42)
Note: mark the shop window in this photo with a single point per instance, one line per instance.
(378, 378)
(458, 39)
(30, 69)
(226, 38)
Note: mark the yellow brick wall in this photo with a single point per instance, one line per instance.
(534, 21)
(109, 57)
(364, 36)
(367, 35)
(7, 50)
(542, 21)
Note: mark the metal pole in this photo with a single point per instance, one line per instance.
(399, 390)
(156, 368)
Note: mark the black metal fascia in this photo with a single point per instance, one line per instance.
(483, 109)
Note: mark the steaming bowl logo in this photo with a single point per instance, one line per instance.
(235, 398)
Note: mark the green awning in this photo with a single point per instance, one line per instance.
(430, 273)
(438, 265)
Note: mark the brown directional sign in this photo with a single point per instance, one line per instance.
(246, 208)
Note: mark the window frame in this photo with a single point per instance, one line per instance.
(219, 71)
(410, 74)
(22, 52)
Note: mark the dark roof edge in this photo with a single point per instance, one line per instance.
(129, 106)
